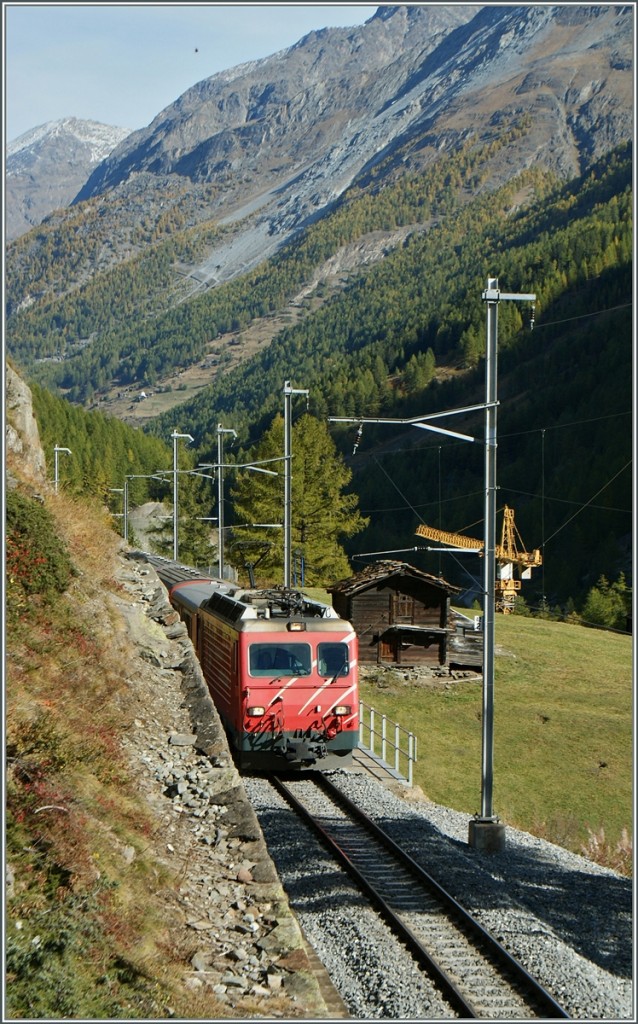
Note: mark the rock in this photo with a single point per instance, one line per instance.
(201, 960)
(232, 980)
(176, 630)
(295, 960)
(238, 954)
(201, 925)
(193, 983)
(264, 871)
(259, 990)
(22, 437)
(283, 938)
(182, 739)
(300, 986)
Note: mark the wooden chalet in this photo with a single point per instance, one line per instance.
(401, 615)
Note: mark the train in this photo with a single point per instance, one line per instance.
(281, 668)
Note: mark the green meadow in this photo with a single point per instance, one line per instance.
(562, 735)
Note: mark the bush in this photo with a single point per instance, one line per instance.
(37, 561)
(520, 606)
(608, 604)
(618, 857)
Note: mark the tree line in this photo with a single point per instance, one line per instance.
(407, 336)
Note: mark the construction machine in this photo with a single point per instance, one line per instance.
(511, 557)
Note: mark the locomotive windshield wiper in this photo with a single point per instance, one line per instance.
(339, 671)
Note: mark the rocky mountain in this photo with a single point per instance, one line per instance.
(278, 140)
(253, 155)
(46, 166)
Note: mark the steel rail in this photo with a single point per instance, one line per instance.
(482, 941)
(474, 929)
(448, 987)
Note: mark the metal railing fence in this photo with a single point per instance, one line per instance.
(385, 736)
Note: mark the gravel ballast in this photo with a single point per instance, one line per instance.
(565, 918)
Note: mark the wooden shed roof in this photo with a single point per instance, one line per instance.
(379, 572)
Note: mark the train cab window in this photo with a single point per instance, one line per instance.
(276, 660)
(333, 660)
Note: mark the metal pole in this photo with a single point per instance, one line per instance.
(175, 436)
(287, 483)
(489, 568)
(125, 529)
(56, 452)
(220, 497)
(220, 505)
(485, 832)
(288, 392)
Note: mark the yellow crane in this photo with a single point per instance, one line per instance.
(510, 555)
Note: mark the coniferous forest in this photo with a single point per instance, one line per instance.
(399, 339)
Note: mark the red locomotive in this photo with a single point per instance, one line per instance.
(281, 668)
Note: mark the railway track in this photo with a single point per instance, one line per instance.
(475, 973)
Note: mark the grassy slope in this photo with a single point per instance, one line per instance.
(87, 933)
(562, 732)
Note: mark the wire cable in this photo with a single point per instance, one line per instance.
(587, 503)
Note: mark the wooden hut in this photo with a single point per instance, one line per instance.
(401, 615)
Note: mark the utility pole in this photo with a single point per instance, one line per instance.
(120, 515)
(175, 437)
(220, 496)
(485, 831)
(56, 452)
(220, 467)
(288, 392)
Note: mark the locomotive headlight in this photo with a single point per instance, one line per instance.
(296, 627)
(343, 709)
(255, 712)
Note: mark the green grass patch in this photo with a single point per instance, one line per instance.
(562, 733)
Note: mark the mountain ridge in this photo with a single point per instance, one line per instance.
(46, 165)
(444, 79)
(266, 148)
(502, 150)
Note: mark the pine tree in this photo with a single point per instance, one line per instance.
(322, 514)
(608, 604)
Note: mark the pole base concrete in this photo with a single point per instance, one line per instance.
(486, 836)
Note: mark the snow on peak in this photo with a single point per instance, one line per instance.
(101, 139)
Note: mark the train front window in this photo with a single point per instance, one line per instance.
(279, 659)
(333, 660)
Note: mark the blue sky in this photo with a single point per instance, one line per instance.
(121, 64)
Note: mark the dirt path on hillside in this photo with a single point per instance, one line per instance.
(138, 405)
